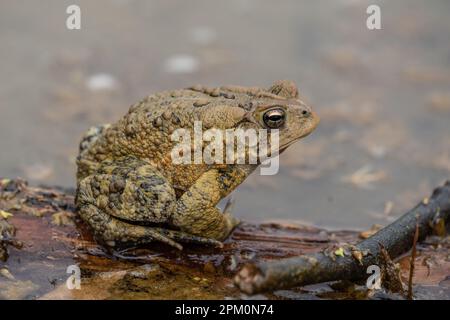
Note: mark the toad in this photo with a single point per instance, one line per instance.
(129, 190)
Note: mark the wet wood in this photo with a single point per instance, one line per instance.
(54, 238)
(350, 262)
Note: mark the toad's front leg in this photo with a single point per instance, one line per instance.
(196, 211)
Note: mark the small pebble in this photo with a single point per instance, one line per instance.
(181, 63)
(5, 273)
(101, 81)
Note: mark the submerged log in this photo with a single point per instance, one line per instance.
(56, 241)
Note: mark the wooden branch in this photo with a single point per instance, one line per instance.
(397, 238)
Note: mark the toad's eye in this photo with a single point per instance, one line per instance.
(274, 118)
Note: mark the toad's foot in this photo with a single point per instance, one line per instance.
(113, 231)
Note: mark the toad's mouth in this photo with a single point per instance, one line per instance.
(312, 125)
(282, 148)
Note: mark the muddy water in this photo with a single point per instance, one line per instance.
(383, 96)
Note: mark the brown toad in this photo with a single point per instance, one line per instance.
(130, 189)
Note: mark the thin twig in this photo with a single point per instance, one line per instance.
(412, 262)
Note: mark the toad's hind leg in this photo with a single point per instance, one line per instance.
(121, 196)
(113, 231)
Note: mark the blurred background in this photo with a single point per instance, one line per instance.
(383, 95)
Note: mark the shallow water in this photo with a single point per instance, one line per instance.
(383, 96)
